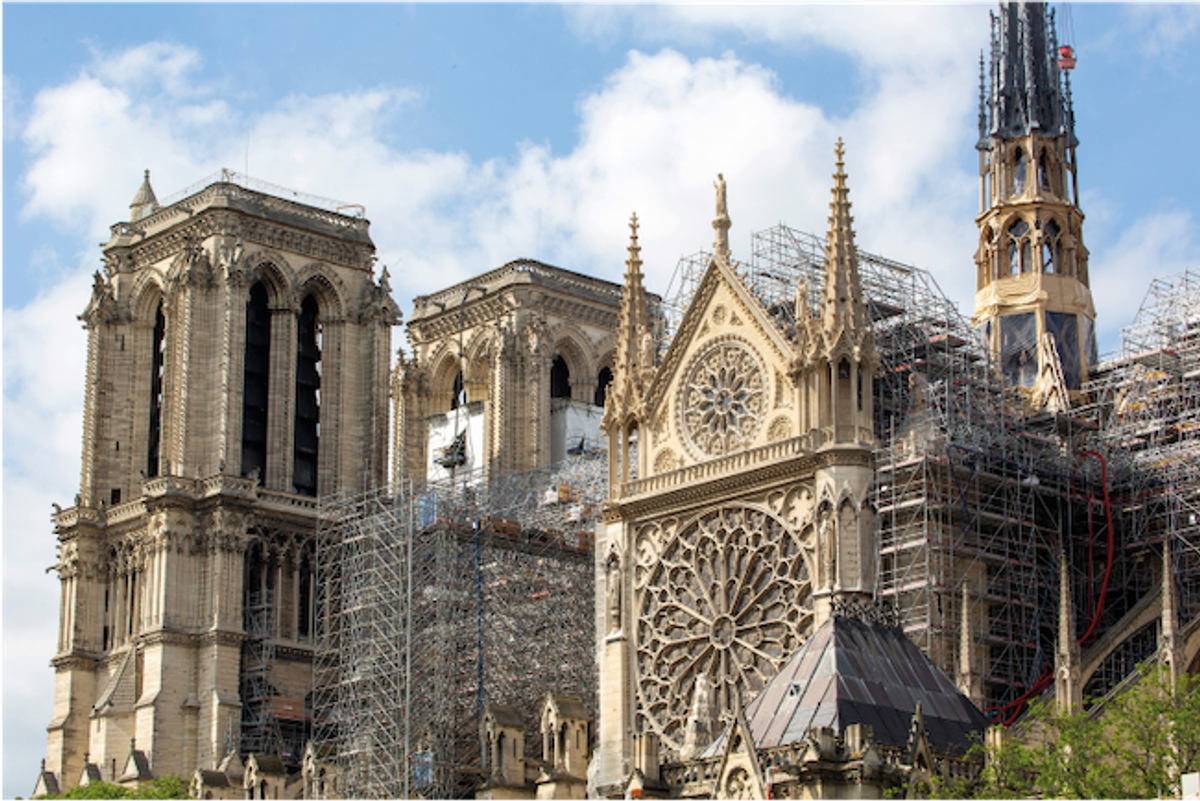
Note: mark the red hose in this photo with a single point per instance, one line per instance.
(1043, 680)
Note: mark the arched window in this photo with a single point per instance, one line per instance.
(253, 582)
(304, 612)
(1051, 248)
(560, 379)
(254, 382)
(156, 391)
(602, 381)
(308, 399)
(1019, 249)
(457, 398)
(1019, 170)
(1043, 171)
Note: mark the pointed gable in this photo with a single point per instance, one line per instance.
(740, 775)
(724, 378)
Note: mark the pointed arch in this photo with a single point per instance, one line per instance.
(307, 420)
(272, 270)
(445, 374)
(148, 291)
(1020, 170)
(572, 344)
(330, 291)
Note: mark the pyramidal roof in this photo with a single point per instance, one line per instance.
(850, 671)
(144, 202)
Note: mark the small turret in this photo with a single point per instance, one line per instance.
(636, 352)
(144, 202)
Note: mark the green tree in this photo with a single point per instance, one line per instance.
(1137, 745)
(169, 786)
(1156, 732)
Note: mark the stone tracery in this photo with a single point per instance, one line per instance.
(723, 399)
(725, 597)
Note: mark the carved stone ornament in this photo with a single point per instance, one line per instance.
(723, 399)
(726, 596)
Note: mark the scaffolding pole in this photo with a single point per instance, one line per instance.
(437, 600)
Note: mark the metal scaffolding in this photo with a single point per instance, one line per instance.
(970, 487)
(260, 732)
(436, 600)
(1145, 402)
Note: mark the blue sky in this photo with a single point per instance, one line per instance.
(475, 134)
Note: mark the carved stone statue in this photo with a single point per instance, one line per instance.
(613, 591)
(645, 348)
(722, 210)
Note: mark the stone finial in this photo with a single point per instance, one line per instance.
(144, 203)
(843, 310)
(968, 674)
(722, 222)
(1169, 652)
(634, 263)
(633, 328)
(1068, 692)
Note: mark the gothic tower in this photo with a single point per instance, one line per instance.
(237, 367)
(1032, 300)
(509, 372)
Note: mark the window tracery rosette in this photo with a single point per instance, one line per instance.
(727, 594)
(723, 398)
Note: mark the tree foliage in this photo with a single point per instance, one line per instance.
(1139, 745)
(169, 786)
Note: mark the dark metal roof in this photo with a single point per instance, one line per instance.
(1026, 88)
(849, 672)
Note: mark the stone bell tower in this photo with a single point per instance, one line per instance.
(1033, 305)
(238, 355)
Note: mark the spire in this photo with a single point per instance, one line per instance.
(1168, 653)
(1068, 691)
(968, 676)
(722, 222)
(1026, 93)
(983, 115)
(144, 202)
(633, 328)
(843, 312)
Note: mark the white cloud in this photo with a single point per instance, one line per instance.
(1153, 245)
(1161, 30)
(163, 63)
(43, 391)
(877, 36)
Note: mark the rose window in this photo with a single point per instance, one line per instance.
(723, 400)
(727, 596)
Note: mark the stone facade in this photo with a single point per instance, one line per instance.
(496, 362)
(748, 515)
(238, 350)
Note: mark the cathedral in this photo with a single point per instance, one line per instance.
(785, 538)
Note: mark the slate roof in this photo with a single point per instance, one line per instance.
(849, 672)
(506, 715)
